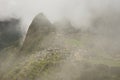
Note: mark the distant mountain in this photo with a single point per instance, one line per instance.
(66, 27)
(38, 30)
(9, 32)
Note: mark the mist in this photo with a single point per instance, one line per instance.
(86, 31)
(80, 12)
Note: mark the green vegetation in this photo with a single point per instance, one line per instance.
(49, 53)
(36, 65)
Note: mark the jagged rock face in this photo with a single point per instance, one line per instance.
(38, 30)
(9, 32)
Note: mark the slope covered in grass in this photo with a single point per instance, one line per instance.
(59, 52)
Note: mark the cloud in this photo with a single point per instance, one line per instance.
(80, 12)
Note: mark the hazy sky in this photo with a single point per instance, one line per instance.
(27, 8)
(80, 12)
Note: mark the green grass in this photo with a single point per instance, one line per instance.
(35, 66)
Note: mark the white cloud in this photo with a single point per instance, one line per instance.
(80, 12)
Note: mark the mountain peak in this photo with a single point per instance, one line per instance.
(38, 30)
